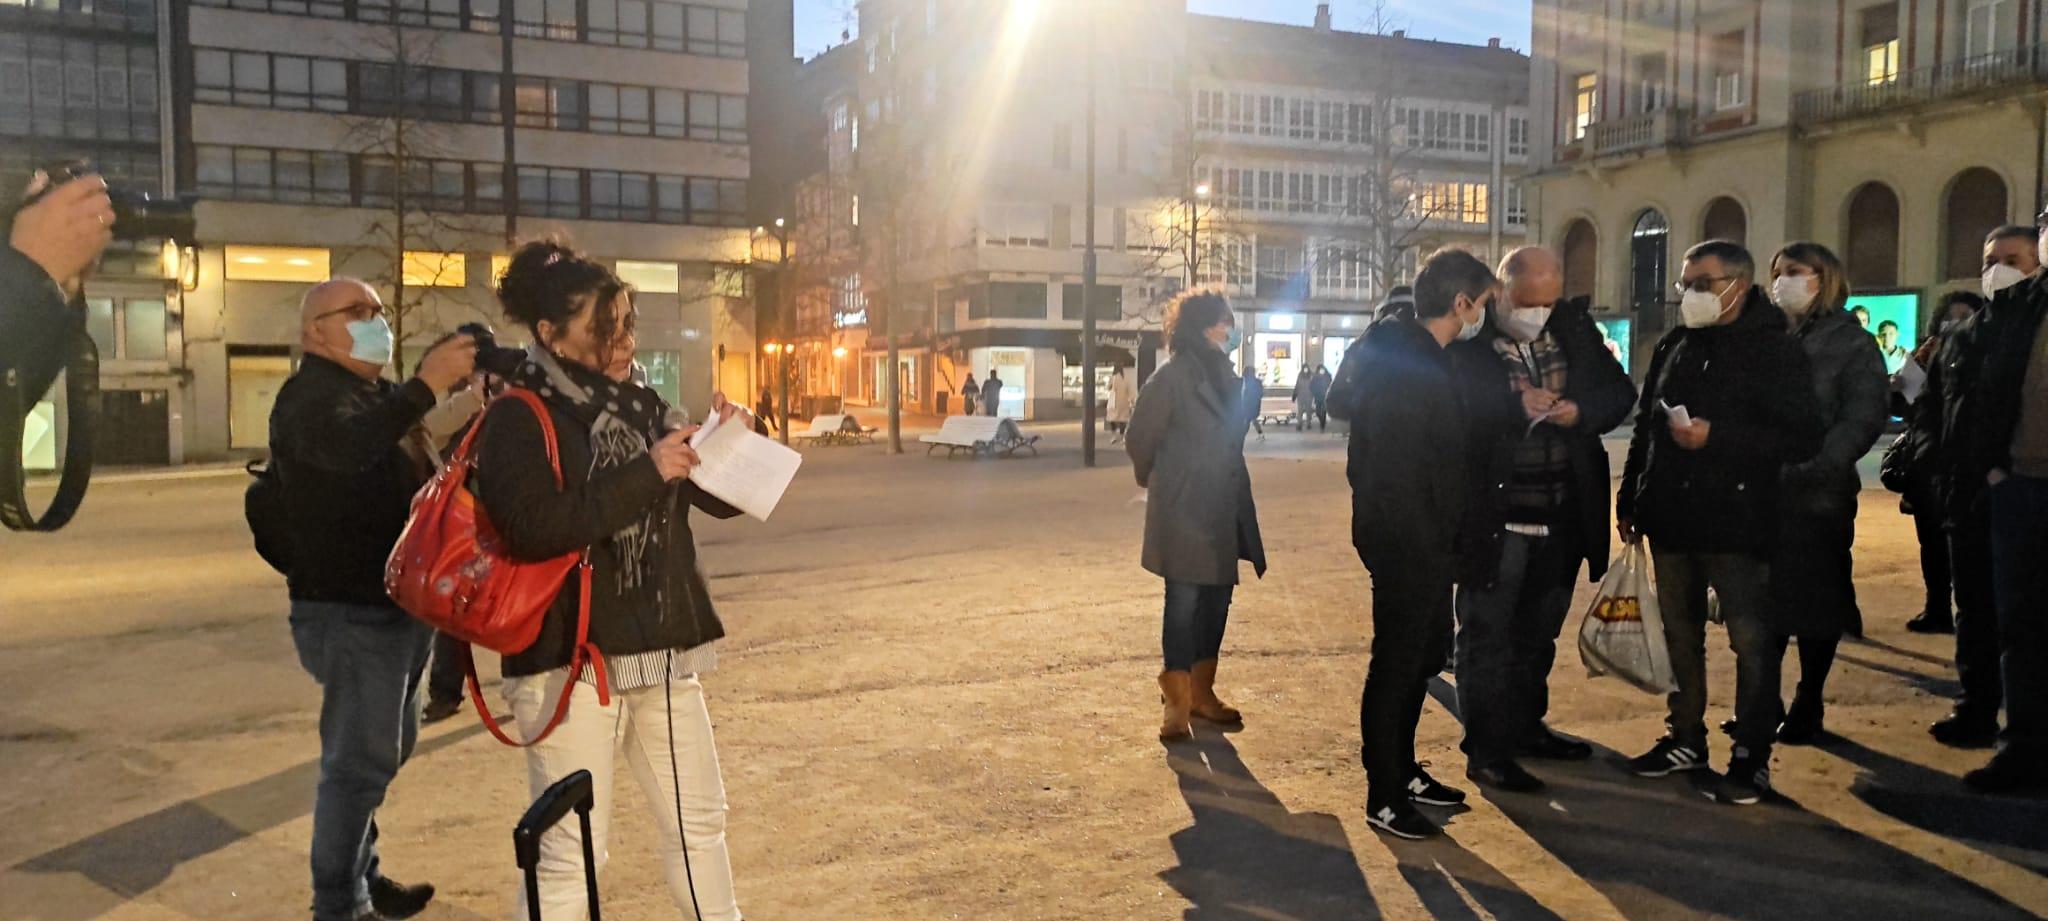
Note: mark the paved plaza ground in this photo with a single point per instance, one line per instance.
(937, 702)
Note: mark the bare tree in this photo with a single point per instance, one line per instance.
(399, 135)
(889, 184)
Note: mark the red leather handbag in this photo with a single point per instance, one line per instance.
(451, 570)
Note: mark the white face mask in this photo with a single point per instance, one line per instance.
(2000, 277)
(1701, 308)
(1471, 330)
(1525, 323)
(1794, 294)
(372, 341)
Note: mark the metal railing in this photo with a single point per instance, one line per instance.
(2016, 67)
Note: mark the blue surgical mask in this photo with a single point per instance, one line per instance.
(1232, 340)
(372, 341)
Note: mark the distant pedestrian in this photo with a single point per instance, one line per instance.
(992, 394)
(968, 392)
(1728, 402)
(1187, 449)
(1319, 387)
(1254, 397)
(1813, 592)
(764, 413)
(1408, 495)
(1304, 398)
(348, 446)
(1123, 397)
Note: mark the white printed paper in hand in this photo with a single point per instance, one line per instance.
(1910, 381)
(1677, 414)
(747, 471)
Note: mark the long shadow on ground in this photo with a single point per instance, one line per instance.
(1659, 849)
(2012, 830)
(1246, 857)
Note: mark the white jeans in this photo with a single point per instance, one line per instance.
(638, 725)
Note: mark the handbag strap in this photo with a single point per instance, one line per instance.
(586, 651)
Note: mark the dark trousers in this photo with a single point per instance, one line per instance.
(1411, 625)
(1507, 641)
(367, 661)
(1969, 542)
(1193, 627)
(2019, 558)
(1743, 584)
(1927, 526)
(445, 680)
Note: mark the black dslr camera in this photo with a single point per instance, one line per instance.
(491, 357)
(138, 215)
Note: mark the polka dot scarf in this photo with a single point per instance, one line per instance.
(624, 419)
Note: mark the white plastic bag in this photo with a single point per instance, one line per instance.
(1623, 633)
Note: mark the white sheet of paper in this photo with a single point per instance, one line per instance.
(1911, 380)
(746, 470)
(703, 432)
(1678, 414)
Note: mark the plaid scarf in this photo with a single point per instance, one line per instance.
(1540, 481)
(1531, 362)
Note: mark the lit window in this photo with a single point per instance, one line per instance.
(435, 270)
(276, 263)
(499, 263)
(650, 277)
(1585, 104)
(728, 280)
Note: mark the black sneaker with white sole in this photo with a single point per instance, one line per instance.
(1425, 789)
(1669, 757)
(1401, 819)
(1746, 783)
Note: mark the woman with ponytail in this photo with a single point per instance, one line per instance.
(625, 500)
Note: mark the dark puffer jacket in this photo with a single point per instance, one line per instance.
(1407, 451)
(1965, 417)
(1595, 381)
(516, 487)
(1751, 381)
(1811, 592)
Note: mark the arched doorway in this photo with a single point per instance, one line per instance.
(1873, 237)
(1976, 205)
(1725, 220)
(1581, 249)
(1648, 261)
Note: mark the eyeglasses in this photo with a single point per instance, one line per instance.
(356, 312)
(1703, 284)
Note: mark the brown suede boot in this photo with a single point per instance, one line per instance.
(1205, 703)
(1174, 690)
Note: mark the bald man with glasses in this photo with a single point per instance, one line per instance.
(348, 446)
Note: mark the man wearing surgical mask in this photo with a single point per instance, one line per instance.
(1949, 417)
(348, 446)
(1407, 464)
(1541, 388)
(1728, 402)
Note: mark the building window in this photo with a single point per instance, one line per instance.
(52, 87)
(1585, 104)
(1989, 27)
(544, 102)
(1015, 225)
(1881, 44)
(717, 32)
(1457, 202)
(1514, 210)
(1653, 89)
(276, 263)
(1108, 302)
(1729, 91)
(728, 279)
(1975, 205)
(135, 331)
(423, 269)
(649, 277)
(1518, 136)
(1017, 300)
(1872, 258)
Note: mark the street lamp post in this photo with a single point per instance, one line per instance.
(1088, 268)
(787, 351)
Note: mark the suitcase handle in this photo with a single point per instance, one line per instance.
(575, 792)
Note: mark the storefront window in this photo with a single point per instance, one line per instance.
(1014, 367)
(1071, 380)
(1279, 358)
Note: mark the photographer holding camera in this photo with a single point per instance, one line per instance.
(348, 447)
(42, 267)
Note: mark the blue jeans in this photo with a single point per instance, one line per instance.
(1507, 641)
(368, 661)
(1195, 617)
(2019, 545)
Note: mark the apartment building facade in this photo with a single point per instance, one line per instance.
(410, 143)
(1897, 133)
(1212, 153)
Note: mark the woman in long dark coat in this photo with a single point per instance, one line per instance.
(1186, 442)
(1813, 594)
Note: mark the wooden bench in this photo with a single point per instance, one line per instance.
(979, 435)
